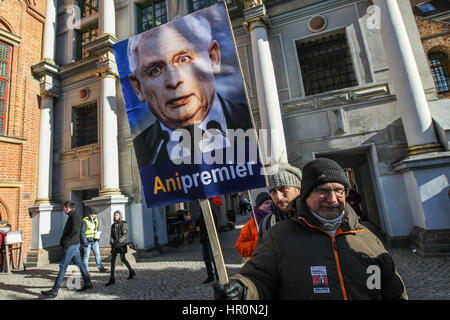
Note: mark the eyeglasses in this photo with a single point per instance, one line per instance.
(325, 192)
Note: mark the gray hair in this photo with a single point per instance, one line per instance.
(195, 28)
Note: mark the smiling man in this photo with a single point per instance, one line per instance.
(321, 252)
(173, 69)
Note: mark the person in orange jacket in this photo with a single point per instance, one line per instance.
(248, 238)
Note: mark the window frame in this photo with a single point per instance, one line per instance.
(79, 54)
(439, 82)
(7, 80)
(353, 75)
(92, 5)
(145, 5)
(426, 7)
(73, 137)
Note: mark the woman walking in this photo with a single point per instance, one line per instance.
(248, 238)
(119, 231)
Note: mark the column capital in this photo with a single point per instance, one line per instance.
(255, 16)
(260, 22)
(101, 45)
(47, 72)
(252, 3)
(103, 49)
(106, 65)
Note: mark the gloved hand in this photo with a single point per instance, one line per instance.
(233, 290)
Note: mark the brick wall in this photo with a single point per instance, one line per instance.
(435, 37)
(23, 20)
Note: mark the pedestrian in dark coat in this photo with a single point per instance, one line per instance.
(118, 241)
(208, 257)
(320, 252)
(70, 241)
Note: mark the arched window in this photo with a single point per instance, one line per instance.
(3, 212)
(439, 69)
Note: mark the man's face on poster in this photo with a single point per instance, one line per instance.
(176, 77)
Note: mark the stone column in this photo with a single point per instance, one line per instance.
(46, 215)
(49, 31)
(110, 197)
(107, 18)
(42, 212)
(426, 168)
(257, 24)
(411, 99)
(110, 152)
(46, 71)
(45, 163)
(107, 71)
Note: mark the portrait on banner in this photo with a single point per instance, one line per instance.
(184, 95)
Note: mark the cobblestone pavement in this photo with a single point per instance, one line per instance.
(178, 274)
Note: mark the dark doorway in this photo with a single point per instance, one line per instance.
(78, 197)
(358, 166)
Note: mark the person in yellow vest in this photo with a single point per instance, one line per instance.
(90, 238)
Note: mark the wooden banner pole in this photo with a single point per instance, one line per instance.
(253, 210)
(214, 241)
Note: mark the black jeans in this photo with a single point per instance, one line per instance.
(208, 258)
(122, 258)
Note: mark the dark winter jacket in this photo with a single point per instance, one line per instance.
(118, 241)
(298, 260)
(72, 228)
(201, 223)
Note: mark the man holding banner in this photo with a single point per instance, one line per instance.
(321, 252)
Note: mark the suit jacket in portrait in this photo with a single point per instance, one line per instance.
(150, 144)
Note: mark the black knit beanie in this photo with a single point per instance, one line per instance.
(260, 198)
(321, 171)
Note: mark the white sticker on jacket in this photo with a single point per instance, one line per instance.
(320, 279)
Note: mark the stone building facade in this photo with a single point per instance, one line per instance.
(371, 104)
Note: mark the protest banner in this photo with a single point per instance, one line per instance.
(189, 115)
(187, 108)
